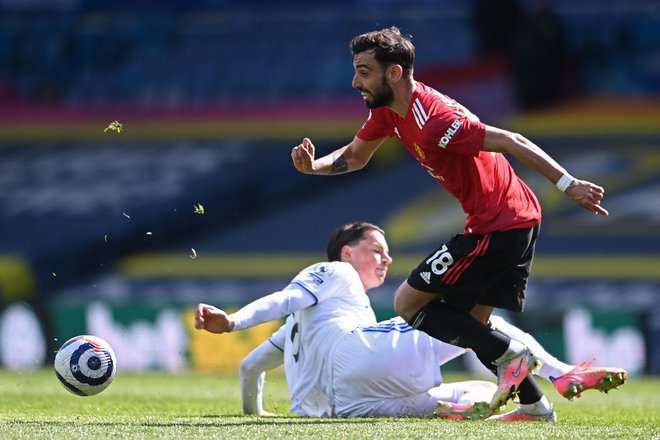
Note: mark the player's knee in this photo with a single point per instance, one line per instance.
(481, 313)
(404, 307)
(408, 301)
(246, 366)
(399, 309)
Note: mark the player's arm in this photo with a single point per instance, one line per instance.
(265, 309)
(584, 193)
(253, 369)
(351, 157)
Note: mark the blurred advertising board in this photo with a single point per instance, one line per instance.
(148, 336)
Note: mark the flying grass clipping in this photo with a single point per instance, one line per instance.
(117, 127)
(114, 126)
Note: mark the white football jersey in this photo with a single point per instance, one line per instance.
(311, 334)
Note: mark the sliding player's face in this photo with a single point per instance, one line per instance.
(370, 80)
(370, 258)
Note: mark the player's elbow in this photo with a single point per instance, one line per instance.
(352, 161)
(502, 141)
(515, 144)
(358, 164)
(247, 367)
(250, 368)
(356, 159)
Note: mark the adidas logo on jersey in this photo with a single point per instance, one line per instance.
(426, 276)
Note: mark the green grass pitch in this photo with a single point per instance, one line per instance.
(205, 406)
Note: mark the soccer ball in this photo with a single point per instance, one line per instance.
(85, 365)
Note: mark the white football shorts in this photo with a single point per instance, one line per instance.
(391, 370)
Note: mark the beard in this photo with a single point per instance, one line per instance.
(381, 97)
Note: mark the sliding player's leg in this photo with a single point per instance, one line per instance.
(467, 400)
(569, 380)
(392, 370)
(550, 365)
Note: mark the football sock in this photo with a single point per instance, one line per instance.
(550, 365)
(529, 392)
(474, 396)
(543, 406)
(515, 346)
(441, 321)
(552, 368)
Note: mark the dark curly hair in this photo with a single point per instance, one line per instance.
(389, 46)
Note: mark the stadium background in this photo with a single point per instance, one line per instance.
(97, 229)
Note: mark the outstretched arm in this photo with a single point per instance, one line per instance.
(586, 194)
(348, 158)
(270, 307)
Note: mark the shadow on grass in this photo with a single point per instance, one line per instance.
(246, 421)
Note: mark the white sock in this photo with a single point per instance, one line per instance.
(515, 348)
(550, 365)
(541, 407)
(553, 368)
(476, 396)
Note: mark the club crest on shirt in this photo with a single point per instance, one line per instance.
(320, 272)
(324, 269)
(419, 151)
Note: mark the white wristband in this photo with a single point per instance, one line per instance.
(564, 182)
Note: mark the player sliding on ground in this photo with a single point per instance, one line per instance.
(398, 343)
(340, 362)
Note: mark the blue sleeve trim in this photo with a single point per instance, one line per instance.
(316, 300)
(276, 346)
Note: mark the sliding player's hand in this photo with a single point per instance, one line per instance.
(212, 319)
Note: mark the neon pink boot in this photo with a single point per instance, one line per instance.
(511, 371)
(583, 377)
(519, 415)
(458, 411)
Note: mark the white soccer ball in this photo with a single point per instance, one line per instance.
(85, 365)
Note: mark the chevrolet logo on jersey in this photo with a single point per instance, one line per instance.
(451, 131)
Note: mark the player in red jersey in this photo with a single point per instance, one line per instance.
(452, 292)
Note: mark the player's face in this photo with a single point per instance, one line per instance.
(371, 81)
(370, 258)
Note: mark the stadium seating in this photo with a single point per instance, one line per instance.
(201, 54)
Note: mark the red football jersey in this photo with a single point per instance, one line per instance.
(446, 139)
